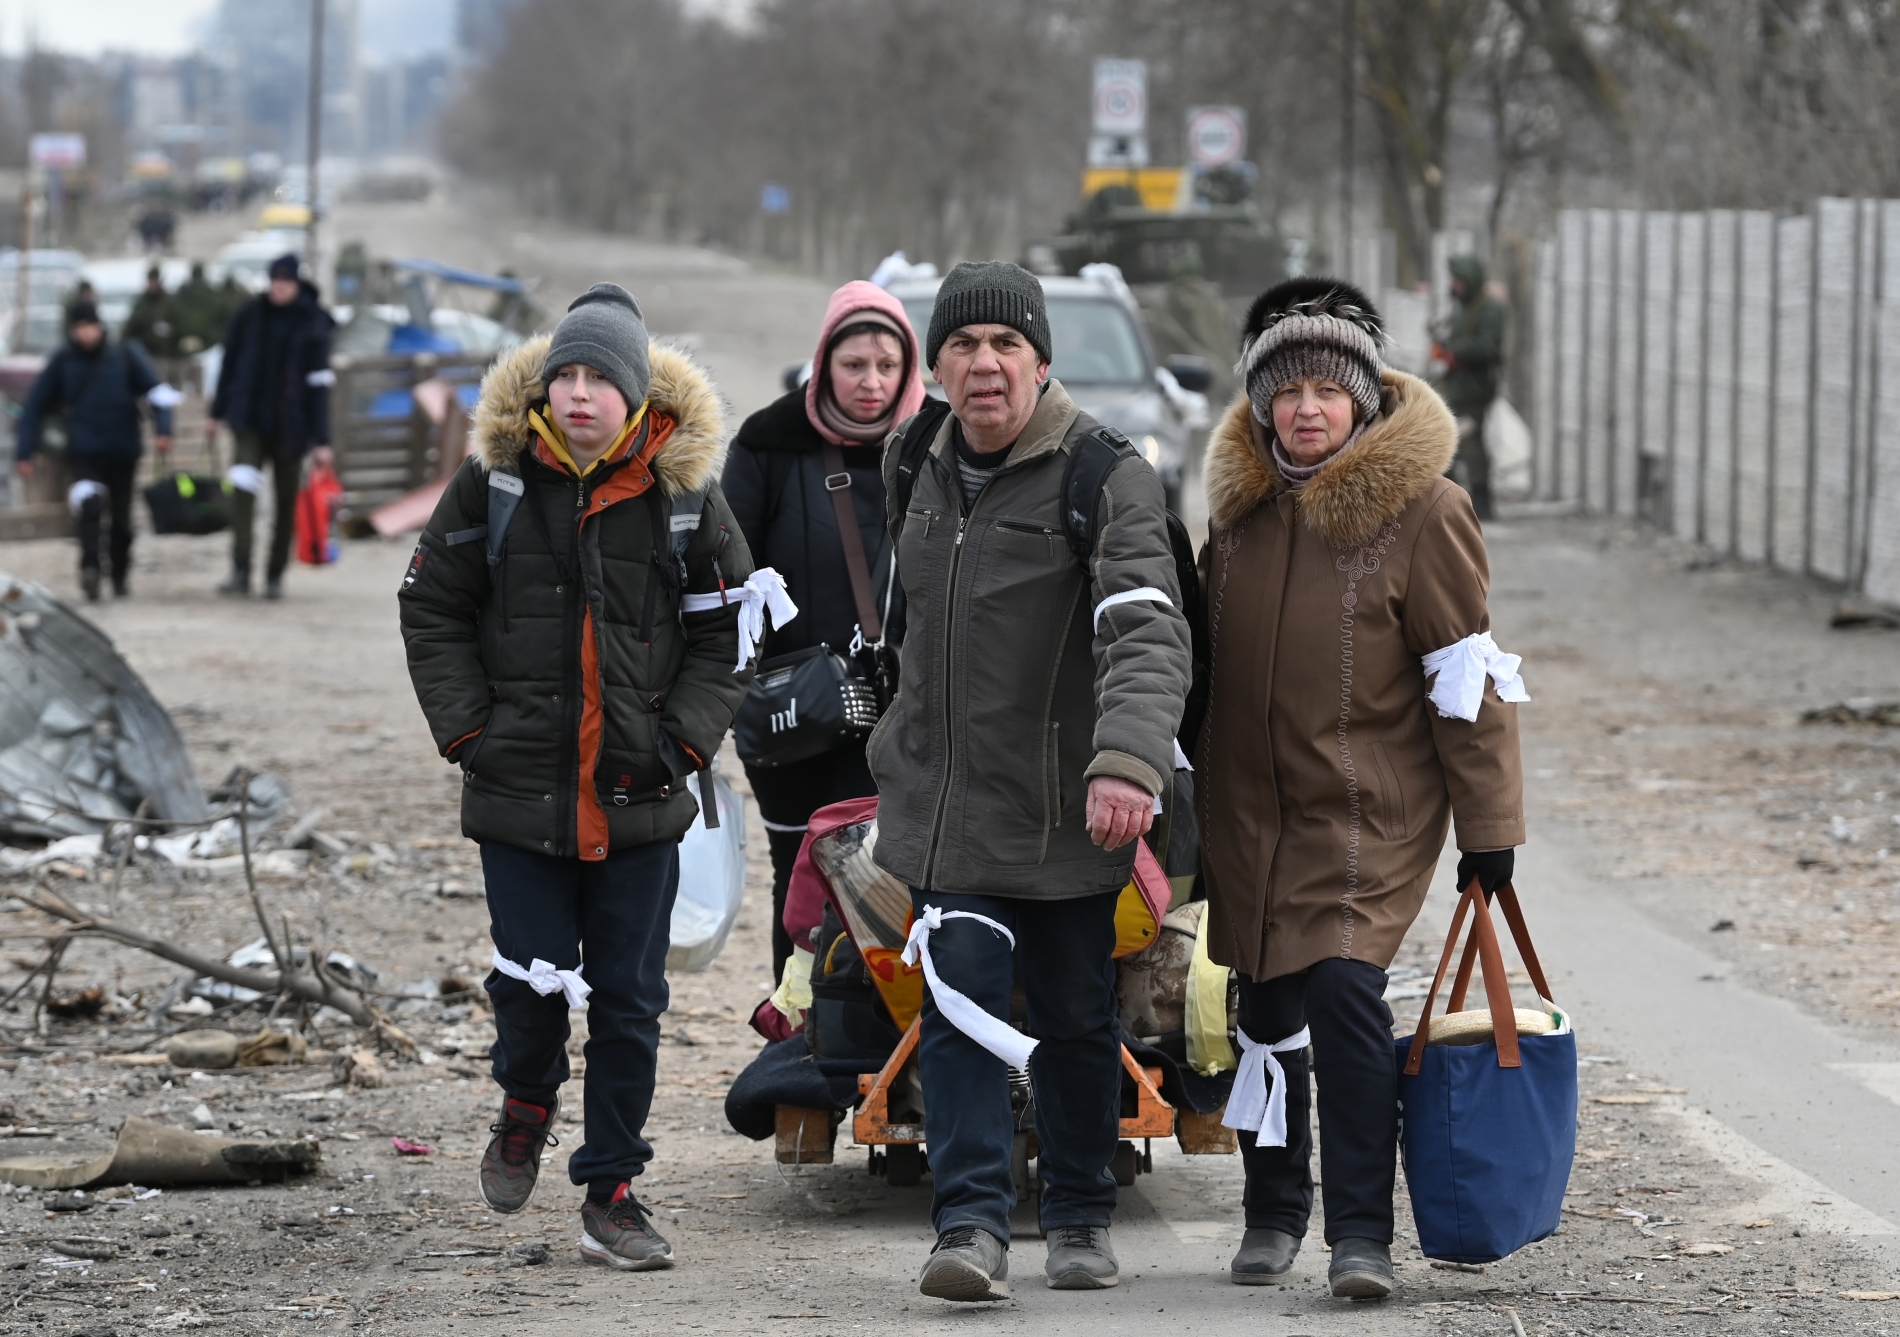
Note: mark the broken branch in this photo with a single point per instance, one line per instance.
(316, 989)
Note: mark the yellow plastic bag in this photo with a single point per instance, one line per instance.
(1209, 1051)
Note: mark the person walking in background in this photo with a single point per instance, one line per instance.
(1349, 724)
(1021, 760)
(152, 323)
(96, 386)
(274, 395)
(572, 622)
(795, 467)
(200, 313)
(1471, 349)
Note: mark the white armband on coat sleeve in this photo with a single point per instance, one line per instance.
(1146, 594)
(1460, 670)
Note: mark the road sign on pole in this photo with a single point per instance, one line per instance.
(57, 151)
(1216, 136)
(1121, 97)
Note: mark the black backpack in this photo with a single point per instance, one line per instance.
(1090, 462)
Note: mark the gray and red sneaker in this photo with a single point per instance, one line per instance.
(512, 1164)
(621, 1235)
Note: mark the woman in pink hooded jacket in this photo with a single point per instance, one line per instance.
(865, 379)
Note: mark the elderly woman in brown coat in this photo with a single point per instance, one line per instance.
(1359, 708)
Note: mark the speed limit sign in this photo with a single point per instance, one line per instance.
(1121, 97)
(1216, 136)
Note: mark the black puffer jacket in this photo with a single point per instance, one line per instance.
(99, 393)
(301, 390)
(775, 482)
(498, 660)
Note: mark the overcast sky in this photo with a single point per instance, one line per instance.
(392, 29)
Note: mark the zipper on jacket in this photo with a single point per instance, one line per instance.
(943, 789)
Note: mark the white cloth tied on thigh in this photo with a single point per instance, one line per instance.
(762, 593)
(1251, 1106)
(1460, 669)
(544, 978)
(999, 1037)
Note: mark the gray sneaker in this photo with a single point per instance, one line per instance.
(1361, 1270)
(1265, 1256)
(1081, 1260)
(968, 1263)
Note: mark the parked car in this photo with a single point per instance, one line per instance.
(117, 284)
(1105, 361)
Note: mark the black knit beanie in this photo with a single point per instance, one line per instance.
(1312, 329)
(989, 292)
(603, 329)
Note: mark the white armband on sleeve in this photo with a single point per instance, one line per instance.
(1461, 668)
(1146, 594)
(163, 396)
(320, 379)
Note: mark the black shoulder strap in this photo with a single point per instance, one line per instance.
(1090, 460)
(504, 495)
(911, 449)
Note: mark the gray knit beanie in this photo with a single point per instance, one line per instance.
(989, 292)
(603, 329)
(1312, 329)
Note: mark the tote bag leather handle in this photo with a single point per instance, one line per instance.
(1482, 949)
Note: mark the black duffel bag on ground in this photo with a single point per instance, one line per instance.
(185, 503)
(802, 705)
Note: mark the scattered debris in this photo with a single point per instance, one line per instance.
(1762, 1224)
(1867, 1295)
(404, 1147)
(1850, 613)
(202, 1049)
(154, 1153)
(1442, 1265)
(361, 1068)
(203, 1118)
(1858, 710)
(1705, 1249)
(537, 1253)
(1722, 926)
(83, 743)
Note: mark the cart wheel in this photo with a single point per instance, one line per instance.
(903, 1165)
(1126, 1164)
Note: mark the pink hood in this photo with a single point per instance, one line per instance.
(851, 300)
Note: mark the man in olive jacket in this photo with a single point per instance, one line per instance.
(578, 662)
(1016, 769)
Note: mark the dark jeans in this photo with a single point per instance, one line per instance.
(788, 796)
(1067, 972)
(286, 472)
(1343, 1002)
(617, 915)
(114, 473)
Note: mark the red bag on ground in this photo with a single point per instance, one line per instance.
(316, 508)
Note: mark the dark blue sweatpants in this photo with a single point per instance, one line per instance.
(1068, 974)
(616, 915)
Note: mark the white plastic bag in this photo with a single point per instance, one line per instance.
(712, 881)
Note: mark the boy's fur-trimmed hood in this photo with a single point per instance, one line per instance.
(1402, 453)
(693, 456)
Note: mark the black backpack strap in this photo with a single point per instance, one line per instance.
(1090, 460)
(682, 521)
(504, 495)
(912, 446)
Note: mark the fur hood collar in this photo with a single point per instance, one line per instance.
(681, 389)
(1401, 454)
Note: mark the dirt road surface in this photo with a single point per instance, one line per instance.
(1707, 877)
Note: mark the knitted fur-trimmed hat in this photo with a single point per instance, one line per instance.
(1312, 329)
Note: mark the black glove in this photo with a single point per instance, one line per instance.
(1492, 868)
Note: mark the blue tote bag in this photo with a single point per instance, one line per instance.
(1489, 1129)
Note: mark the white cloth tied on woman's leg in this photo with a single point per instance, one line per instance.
(1251, 1106)
(999, 1037)
(82, 492)
(1461, 668)
(762, 593)
(544, 978)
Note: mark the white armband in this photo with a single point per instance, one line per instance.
(1460, 669)
(1146, 594)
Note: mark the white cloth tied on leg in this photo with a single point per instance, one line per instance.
(762, 593)
(1461, 668)
(1250, 1105)
(544, 979)
(246, 478)
(999, 1037)
(82, 492)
